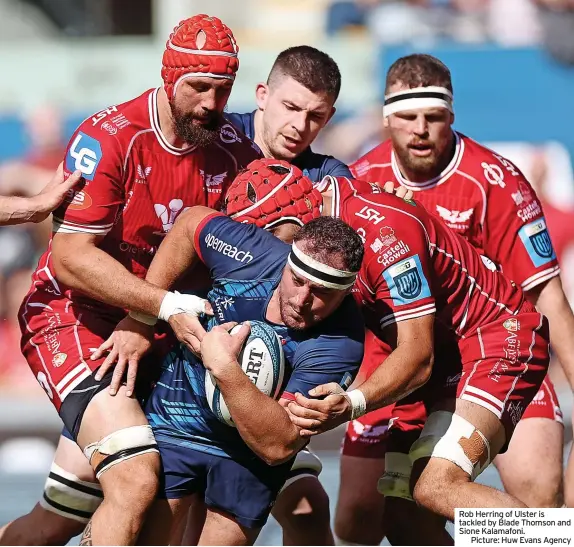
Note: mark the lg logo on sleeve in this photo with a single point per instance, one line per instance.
(84, 154)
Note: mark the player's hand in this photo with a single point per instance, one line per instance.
(189, 330)
(401, 192)
(219, 348)
(129, 342)
(54, 193)
(314, 416)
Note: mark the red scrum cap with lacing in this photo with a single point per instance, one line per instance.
(199, 46)
(270, 192)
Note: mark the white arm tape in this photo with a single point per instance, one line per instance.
(358, 403)
(174, 303)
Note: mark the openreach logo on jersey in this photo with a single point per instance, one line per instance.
(226, 249)
(84, 154)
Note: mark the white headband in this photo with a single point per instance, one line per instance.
(418, 97)
(319, 273)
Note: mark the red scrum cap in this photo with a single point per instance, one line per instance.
(199, 46)
(270, 192)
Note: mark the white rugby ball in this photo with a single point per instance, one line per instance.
(263, 361)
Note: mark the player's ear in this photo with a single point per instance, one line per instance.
(451, 118)
(261, 95)
(331, 114)
(386, 122)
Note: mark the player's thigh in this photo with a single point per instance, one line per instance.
(106, 414)
(222, 529)
(117, 438)
(165, 521)
(360, 507)
(194, 523)
(531, 468)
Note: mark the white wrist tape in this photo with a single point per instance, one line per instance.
(174, 303)
(143, 318)
(358, 403)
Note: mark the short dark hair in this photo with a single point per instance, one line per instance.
(419, 70)
(325, 236)
(310, 67)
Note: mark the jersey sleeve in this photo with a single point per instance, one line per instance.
(335, 168)
(515, 232)
(332, 356)
(233, 250)
(92, 208)
(399, 269)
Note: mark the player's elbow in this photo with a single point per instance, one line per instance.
(64, 260)
(282, 450)
(424, 370)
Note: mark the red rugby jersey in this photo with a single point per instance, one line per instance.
(483, 197)
(137, 184)
(415, 266)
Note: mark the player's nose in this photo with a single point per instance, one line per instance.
(209, 101)
(304, 297)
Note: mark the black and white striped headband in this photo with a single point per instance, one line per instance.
(321, 274)
(418, 97)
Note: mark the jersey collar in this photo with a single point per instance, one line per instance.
(443, 177)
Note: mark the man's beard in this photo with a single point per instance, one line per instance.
(429, 166)
(195, 134)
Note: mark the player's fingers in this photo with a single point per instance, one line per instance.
(226, 326)
(306, 433)
(193, 344)
(118, 375)
(389, 187)
(71, 181)
(305, 423)
(107, 364)
(105, 346)
(401, 192)
(409, 195)
(208, 308)
(326, 389)
(307, 413)
(241, 335)
(131, 377)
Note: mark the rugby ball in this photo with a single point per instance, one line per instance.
(263, 361)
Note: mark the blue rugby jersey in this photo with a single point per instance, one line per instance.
(315, 166)
(246, 264)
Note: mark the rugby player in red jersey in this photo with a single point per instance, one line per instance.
(144, 162)
(484, 197)
(431, 297)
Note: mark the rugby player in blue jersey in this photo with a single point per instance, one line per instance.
(293, 106)
(301, 290)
